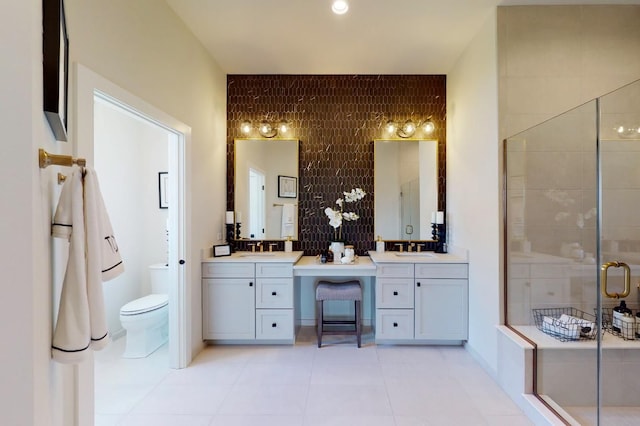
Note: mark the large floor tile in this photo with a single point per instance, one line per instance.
(183, 399)
(266, 399)
(345, 400)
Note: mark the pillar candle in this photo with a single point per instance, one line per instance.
(229, 218)
(239, 217)
(440, 218)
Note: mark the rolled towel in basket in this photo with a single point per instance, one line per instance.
(568, 326)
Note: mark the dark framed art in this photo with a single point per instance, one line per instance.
(55, 66)
(163, 187)
(287, 187)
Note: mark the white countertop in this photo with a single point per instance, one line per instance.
(311, 266)
(416, 257)
(267, 256)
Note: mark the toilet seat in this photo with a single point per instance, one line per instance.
(145, 304)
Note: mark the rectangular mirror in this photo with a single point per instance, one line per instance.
(406, 188)
(266, 188)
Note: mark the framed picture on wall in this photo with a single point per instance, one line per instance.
(287, 187)
(163, 187)
(55, 67)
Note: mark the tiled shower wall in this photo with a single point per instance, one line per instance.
(336, 118)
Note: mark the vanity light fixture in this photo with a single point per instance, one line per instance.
(409, 127)
(340, 7)
(266, 128)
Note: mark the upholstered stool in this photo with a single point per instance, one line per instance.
(347, 290)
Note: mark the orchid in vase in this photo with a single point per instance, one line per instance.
(337, 216)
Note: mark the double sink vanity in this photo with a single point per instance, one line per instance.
(409, 298)
(264, 297)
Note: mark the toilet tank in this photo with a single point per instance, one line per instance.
(159, 277)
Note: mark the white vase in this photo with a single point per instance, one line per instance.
(337, 247)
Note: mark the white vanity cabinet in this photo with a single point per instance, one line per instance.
(421, 302)
(441, 301)
(274, 302)
(394, 301)
(228, 297)
(246, 302)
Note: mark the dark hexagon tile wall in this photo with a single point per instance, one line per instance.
(335, 118)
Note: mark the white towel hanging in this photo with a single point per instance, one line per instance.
(288, 220)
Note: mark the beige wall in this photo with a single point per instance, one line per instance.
(473, 195)
(144, 48)
(554, 58)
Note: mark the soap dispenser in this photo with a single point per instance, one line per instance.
(623, 321)
(379, 245)
(288, 245)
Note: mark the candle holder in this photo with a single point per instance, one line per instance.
(238, 230)
(230, 235)
(439, 234)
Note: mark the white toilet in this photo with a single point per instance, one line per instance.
(147, 319)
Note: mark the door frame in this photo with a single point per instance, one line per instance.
(88, 86)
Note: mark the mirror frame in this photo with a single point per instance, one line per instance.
(439, 176)
(270, 199)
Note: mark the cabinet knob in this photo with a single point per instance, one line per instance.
(395, 293)
(250, 283)
(274, 325)
(181, 261)
(273, 293)
(418, 284)
(395, 324)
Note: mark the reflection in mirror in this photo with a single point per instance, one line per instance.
(266, 204)
(406, 188)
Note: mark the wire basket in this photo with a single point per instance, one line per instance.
(566, 324)
(626, 328)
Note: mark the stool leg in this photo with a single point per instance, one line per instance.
(358, 322)
(320, 319)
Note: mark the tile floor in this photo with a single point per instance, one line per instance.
(297, 385)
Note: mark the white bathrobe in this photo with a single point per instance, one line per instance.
(93, 258)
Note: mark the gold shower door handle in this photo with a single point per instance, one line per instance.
(627, 279)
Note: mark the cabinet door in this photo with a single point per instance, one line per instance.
(228, 308)
(441, 310)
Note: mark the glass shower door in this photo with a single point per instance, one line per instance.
(572, 244)
(619, 260)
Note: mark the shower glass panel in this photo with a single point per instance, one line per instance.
(572, 198)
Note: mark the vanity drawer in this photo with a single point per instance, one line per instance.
(395, 270)
(274, 270)
(274, 324)
(274, 293)
(394, 324)
(441, 270)
(394, 293)
(228, 270)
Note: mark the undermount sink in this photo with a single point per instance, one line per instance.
(258, 254)
(414, 254)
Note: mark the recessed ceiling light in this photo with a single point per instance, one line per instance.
(340, 7)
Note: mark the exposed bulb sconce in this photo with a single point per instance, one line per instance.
(340, 7)
(628, 132)
(266, 128)
(408, 128)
